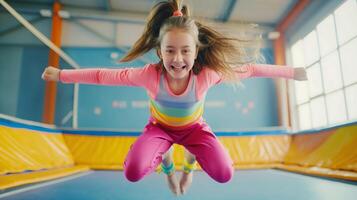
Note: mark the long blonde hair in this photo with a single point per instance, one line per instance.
(216, 51)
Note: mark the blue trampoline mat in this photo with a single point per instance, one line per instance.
(265, 184)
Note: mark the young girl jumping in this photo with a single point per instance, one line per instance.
(193, 58)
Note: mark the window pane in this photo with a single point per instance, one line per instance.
(346, 20)
(310, 48)
(315, 83)
(351, 97)
(318, 110)
(297, 51)
(336, 107)
(349, 62)
(331, 72)
(327, 35)
(301, 91)
(304, 116)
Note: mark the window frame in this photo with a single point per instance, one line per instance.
(297, 34)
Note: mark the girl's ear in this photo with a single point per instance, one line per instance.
(197, 49)
(158, 52)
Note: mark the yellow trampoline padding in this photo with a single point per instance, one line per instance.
(318, 171)
(23, 149)
(329, 152)
(256, 150)
(100, 152)
(334, 149)
(256, 166)
(13, 180)
(109, 152)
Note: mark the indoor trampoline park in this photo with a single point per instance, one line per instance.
(178, 99)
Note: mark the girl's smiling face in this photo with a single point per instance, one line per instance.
(178, 50)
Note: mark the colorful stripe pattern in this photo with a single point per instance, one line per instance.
(178, 111)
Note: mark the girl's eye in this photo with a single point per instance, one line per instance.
(169, 51)
(186, 51)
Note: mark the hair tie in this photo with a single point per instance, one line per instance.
(177, 13)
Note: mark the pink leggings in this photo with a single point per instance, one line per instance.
(146, 153)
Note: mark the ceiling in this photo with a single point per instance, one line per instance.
(263, 12)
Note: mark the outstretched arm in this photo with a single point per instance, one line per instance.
(270, 71)
(126, 76)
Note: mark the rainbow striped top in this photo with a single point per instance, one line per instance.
(176, 111)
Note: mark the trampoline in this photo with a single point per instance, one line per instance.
(267, 184)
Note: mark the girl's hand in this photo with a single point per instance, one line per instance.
(51, 74)
(300, 74)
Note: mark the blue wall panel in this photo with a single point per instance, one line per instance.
(10, 68)
(32, 87)
(248, 107)
(64, 102)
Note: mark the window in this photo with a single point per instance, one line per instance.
(346, 18)
(327, 35)
(304, 116)
(331, 72)
(351, 96)
(318, 112)
(329, 54)
(349, 62)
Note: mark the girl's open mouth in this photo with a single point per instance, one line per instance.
(178, 68)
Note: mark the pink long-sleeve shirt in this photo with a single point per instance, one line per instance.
(167, 108)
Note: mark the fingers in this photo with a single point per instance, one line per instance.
(50, 74)
(300, 74)
(46, 77)
(45, 74)
(303, 74)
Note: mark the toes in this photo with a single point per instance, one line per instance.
(183, 191)
(173, 185)
(175, 190)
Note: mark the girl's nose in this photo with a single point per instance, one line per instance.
(178, 57)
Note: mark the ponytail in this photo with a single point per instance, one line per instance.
(222, 53)
(157, 17)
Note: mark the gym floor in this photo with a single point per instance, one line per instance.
(267, 184)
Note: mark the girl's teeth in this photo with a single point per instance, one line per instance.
(177, 68)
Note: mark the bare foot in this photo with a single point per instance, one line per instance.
(185, 182)
(173, 183)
